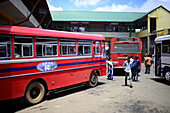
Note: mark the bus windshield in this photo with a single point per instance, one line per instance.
(125, 47)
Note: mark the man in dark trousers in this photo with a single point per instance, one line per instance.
(135, 67)
(127, 68)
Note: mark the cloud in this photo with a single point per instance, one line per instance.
(145, 7)
(151, 4)
(114, 7)
(53, 8)
(85, 3)
(163, 0)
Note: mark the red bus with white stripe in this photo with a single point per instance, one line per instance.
(121, 48)
(35, 61)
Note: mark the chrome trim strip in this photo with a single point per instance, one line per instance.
(122, 67)
(118, 67)
(41, 59)
(103, 56)
(48, 72)
(126, 53)
(98, 56)
(122, 57)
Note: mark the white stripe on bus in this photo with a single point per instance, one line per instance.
(41, 59)
(48, 71)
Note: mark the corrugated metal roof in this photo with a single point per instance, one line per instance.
(94, 16)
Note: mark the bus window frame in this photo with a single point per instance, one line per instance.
(43, 44)
(52, 50)
(79, 42)
(167, 45)
(95, 52)
(65, 44)
(22, 37)
(84, 50)
(126, 43)
(62, 50)
(10, 43)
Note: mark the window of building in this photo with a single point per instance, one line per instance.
(67, 47)
(46, 46)
(79, 26)
(5, 46)
(84, 47)
(96, 47)
(23, 46)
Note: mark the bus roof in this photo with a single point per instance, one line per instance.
(15, 30)
(136, 38)
(161, 38)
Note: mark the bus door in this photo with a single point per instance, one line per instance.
(97, 57)
(158, 59)
(103, 52)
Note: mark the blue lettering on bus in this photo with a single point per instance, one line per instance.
(46, 66)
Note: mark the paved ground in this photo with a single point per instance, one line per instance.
(149, 95)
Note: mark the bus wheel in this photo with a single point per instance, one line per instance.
(167, 75)
(34, 93)
(93, 80)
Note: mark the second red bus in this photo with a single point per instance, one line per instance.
(121, 48)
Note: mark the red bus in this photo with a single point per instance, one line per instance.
(35, 61)
(121, 48)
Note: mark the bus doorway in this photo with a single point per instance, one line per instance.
(158, 59)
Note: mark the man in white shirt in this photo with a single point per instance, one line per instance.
(131, 58)
(128, 71)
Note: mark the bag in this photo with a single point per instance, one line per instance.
(146, 60)
(134, 64)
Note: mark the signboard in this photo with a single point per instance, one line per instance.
(46, 66)
(161, 33)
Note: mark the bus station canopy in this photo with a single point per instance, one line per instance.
(95, 16)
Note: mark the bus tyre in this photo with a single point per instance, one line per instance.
(34, 93)
(93, 80)
(167, 75)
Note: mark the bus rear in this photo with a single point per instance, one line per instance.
(121, 48)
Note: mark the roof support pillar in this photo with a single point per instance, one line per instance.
(27, 19)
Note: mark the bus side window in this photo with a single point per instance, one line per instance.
(46, 46)
(103, 49)
(84, 47)
(23, 46)
(96, 47)
(67, 47)
(166, 47)
(5, 46)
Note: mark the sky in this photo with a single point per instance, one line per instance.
(107, 5)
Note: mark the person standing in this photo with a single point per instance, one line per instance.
(131, 61)
(127, 68)
(132, 58)
(110, 69)
(148, 61)
(135, 67)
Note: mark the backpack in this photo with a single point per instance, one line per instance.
(134, 64)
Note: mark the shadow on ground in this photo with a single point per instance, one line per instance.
(14, 105)
(161, 80)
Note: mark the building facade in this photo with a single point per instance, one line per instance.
(154, 24)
